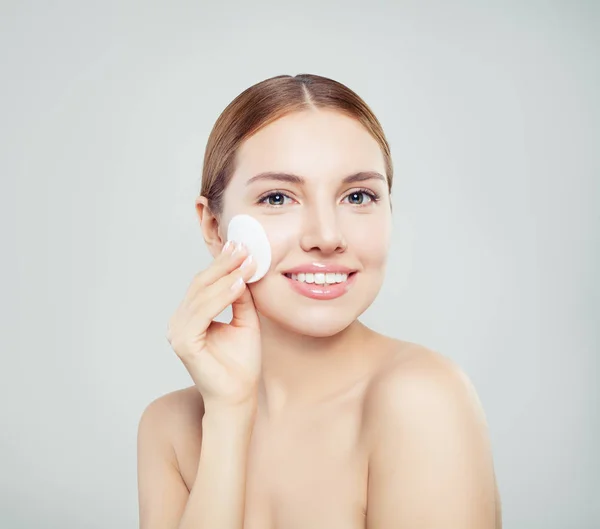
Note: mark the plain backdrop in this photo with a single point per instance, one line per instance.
(492, 113)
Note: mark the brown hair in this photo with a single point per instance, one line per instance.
(262, 104)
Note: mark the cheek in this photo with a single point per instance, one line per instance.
(369, 239)
(282, 235)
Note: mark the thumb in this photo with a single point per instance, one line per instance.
(244, 310)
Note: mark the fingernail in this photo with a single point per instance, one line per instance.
(238, 284)
(238, 248)
(246, 262)
(227, 247)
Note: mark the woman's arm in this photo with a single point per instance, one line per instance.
(217, 498)
(430, 463)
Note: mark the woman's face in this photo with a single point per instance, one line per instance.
(316, 219)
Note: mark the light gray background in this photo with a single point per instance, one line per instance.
(491, 109)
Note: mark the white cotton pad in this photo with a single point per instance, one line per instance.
(247, 230)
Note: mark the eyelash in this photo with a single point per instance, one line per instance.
(372, 195)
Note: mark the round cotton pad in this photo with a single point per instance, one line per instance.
(247, 230)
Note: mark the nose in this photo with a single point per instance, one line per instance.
(322, 231)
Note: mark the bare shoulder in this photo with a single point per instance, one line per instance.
(174, 413)
(163, 489)
(417, 389)
(414, 379)
(428, 442)
(176, 403)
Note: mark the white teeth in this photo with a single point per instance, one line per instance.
(329, 278)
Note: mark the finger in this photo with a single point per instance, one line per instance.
(227, 261)
(218, 296)
(244, 311)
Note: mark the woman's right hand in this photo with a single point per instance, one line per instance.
(223, 360)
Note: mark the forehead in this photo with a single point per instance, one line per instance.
(312, 143)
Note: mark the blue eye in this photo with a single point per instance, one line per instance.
(277, 199)
(359, 195)
(277, 196)
(357, 198)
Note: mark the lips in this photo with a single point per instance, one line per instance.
(321, 291)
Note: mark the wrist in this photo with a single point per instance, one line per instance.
(241, 414)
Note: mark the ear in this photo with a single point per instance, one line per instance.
(210, 225)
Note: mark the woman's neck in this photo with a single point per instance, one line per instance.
(301, 370)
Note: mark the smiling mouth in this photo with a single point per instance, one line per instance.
(320, 278)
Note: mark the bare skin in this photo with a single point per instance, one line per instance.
(308, 466)
(300, 415)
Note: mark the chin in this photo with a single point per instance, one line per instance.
(312, 325)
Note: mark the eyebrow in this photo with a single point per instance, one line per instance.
(295, 179)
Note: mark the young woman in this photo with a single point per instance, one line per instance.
(300, 416)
